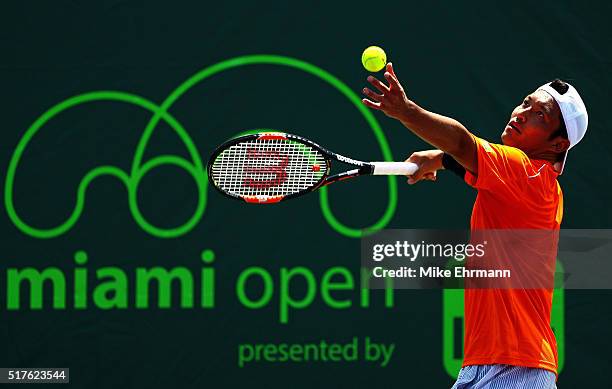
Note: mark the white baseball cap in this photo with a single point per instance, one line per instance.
(574, 115)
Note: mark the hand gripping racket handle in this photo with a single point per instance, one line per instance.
(394, 168)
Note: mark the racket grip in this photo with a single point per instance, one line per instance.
(394, 168)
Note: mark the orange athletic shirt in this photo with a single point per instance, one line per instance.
(512, 326)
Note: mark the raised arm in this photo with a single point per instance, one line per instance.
(445, 133)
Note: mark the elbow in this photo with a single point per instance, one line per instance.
(463, 146)
(466, 153)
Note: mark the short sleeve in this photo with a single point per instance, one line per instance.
(498, 166)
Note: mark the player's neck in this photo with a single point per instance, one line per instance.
(549, 156)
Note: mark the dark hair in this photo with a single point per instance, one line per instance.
(561, 87)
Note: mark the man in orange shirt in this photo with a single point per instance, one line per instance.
(508, 339)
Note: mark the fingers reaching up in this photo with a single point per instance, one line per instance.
(391, 98)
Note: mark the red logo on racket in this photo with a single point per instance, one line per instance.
(257, 169)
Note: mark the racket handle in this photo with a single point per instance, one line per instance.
(394, 168)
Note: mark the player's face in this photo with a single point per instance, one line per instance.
(532, 122)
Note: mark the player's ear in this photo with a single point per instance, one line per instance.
(559, 144)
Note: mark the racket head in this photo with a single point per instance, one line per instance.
(268, 167)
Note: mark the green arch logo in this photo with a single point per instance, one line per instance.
(193, 165)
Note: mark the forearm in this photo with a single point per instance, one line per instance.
(445, 133)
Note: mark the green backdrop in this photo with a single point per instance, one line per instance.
(471, 60)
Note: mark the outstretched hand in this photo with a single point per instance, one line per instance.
(391, 99)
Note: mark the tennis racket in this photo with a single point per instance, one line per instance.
(269, 167)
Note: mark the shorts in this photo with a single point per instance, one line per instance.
(504, 377)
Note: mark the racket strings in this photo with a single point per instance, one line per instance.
(271, 167)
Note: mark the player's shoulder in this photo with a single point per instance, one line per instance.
(509, 152)
(515, 162)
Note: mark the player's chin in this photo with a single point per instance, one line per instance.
(507, 139)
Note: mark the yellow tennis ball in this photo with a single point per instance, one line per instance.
(374, 58)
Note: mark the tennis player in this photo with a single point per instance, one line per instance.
(508, 339)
